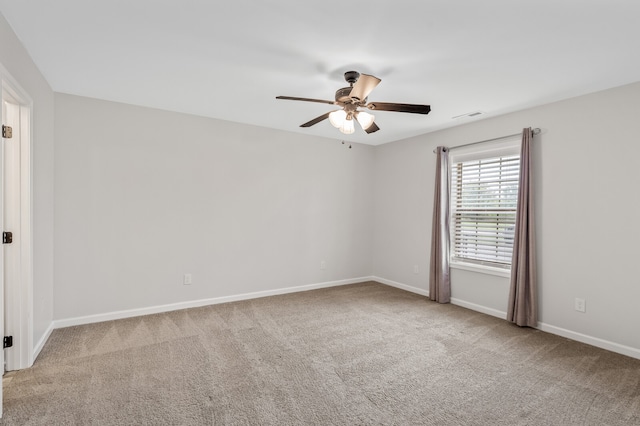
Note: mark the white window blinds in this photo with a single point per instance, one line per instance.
(484, 196)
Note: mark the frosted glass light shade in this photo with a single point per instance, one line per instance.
(365, 119)
(337, 118)
(347, 127)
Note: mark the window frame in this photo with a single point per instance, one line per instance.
(505, 147)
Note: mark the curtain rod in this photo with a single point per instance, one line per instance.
(533, 132)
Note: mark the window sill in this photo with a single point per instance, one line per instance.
(483, 269)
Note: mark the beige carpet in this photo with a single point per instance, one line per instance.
(362, 354)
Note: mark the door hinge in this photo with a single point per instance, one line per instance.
(7, 132)
(7, 238)
(8, 342)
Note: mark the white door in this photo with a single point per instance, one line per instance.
(16, 284)
(9, 175)
(10, 221)
(4, 117)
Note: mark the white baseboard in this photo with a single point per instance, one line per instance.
(42, 341)
(108, 316)
(558, 331)
(547, 328)
(401, 286)
(479, 308)
(590, 340)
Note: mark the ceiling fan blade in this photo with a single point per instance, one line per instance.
(365, 84)
(316, 120)
(387, 106)
(291, 98)
(373, 128)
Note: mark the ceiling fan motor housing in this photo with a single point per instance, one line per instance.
(342, 94)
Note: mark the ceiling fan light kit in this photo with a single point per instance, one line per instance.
(365, 119)
(353, 97)
(336, 118)
(347, 127)
(343, 121)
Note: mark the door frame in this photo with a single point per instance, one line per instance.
(20, 295)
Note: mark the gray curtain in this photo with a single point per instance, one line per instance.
(523, 305)
(439, 285)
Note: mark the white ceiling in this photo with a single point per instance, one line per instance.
(230, 59)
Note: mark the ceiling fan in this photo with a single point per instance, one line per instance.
(351, 99)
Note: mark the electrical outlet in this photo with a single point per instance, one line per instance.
(186, 279)
(323, 264)
(416, 269)
(580, 305)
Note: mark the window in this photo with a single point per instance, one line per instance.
(484, 196)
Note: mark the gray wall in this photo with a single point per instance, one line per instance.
(586, 178)
(144, 195)
(249, 209)
(18, 63)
